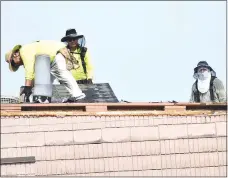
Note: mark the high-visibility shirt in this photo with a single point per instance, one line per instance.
(29, 51)
(79, 73)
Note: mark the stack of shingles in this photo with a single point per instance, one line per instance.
(116, 145)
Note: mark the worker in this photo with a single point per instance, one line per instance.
(83, 74)
(207, 87)
(59, 58)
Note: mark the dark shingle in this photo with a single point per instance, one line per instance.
(17, 160)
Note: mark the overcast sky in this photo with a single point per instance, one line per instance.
(146, 51)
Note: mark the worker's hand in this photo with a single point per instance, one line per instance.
(89, 81)
(27, 91)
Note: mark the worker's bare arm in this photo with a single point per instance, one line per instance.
(29, 83)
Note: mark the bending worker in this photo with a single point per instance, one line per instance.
(24, 55)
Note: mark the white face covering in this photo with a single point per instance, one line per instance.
(204, 75)
(204, 79)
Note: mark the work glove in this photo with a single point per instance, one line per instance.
(89, 81)
(27, 91)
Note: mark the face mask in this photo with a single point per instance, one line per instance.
(204, 75)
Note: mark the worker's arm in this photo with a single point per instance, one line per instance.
(192, 99)
(29, 77)
(28, 54)
(89, 66)
(220, 90)
(29, 71)
(29, 82)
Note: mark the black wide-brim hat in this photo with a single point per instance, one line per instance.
(204, 64)
(71, 34)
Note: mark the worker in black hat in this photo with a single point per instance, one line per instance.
(83, 74)
(207, 87)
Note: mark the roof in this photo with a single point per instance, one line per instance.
(101, 100)
(95, 93)
(113, 139)
(9, 99)
(114, 146)
(134, 109)
(114, 113)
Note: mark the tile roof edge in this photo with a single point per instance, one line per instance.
(110, 113)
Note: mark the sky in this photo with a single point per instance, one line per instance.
(146, 50)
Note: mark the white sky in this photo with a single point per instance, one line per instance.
(146, 51)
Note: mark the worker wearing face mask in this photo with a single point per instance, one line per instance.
(84, 73)
(207, 87)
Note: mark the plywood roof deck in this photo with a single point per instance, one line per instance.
(54, 109)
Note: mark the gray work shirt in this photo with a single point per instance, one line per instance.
(219, 93)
